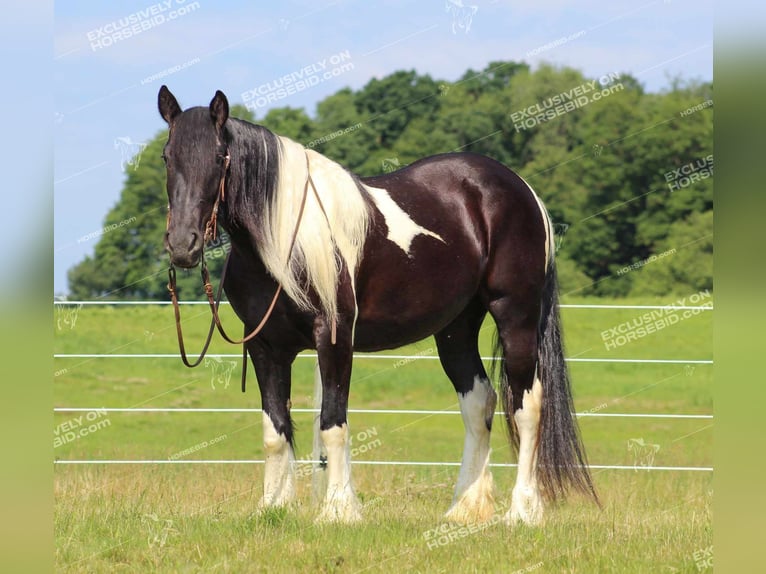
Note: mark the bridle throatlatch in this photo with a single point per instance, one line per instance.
(212, 225)
(215, 301)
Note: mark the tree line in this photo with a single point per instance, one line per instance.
(626, 175)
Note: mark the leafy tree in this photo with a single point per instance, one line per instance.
(343, 132)
(127, 261)
(687, 262)
(626, 209)
(675, 142)
(495, 77)
(391, 103)
(604, 169)
(290, 122)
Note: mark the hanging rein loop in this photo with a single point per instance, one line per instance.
(214, 301)
(177, 313)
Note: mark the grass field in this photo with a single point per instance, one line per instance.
(203, 517)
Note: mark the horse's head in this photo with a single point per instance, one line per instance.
(196, 159)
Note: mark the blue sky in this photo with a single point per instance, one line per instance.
(104, 90)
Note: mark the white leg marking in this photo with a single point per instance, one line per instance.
(474, 497)
(340, 504)
(278, 477)
(526, 505)
(401, 228)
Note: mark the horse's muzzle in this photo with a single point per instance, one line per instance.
(185, 248)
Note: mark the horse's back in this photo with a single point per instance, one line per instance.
(462, 176)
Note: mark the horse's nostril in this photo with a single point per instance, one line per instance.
(193, 240)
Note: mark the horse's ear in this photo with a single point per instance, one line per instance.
(219, 109)
(167, 104)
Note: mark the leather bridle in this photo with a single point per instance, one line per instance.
(214, 302)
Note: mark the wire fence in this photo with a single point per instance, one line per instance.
(374, 463)
(562, 306)
(366, 356)
(350, 411)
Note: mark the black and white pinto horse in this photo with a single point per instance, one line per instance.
(378, 263)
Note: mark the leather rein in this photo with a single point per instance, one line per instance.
(214, 302)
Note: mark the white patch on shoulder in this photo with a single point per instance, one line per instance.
(401, 228)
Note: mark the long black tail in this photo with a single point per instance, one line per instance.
(561, 461)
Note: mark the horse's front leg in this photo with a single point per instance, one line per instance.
(340, 502)
(273, 372)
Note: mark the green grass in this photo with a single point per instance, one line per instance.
(203, 518)
(199, 519)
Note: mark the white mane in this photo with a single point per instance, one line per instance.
(344, 229)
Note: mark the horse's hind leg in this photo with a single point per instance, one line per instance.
(459, 355)
(522, 394)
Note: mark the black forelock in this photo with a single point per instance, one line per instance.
(194, 128)
(254, 170)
